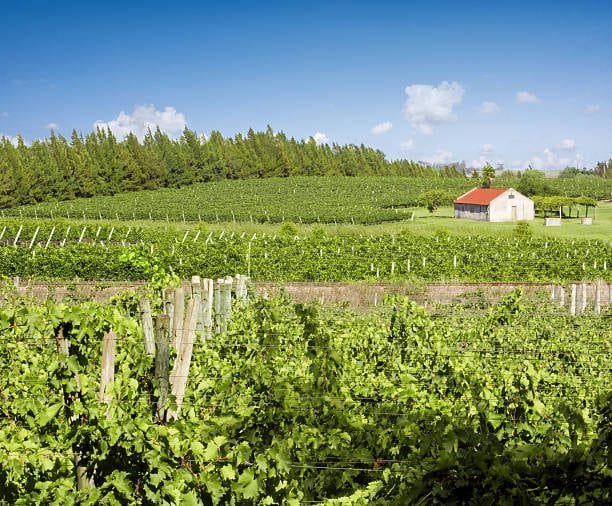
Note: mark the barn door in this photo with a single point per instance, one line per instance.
(513, 213)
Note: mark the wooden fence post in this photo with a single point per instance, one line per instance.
(196, 293)
(180, 371)
(179, 315)
(561, 296)
(226, 303)
(598, 296)
(162, 365)
(168, 295)
(217, 305)
(107, 375)
(573, 300)
(583, 304)
(208, 291)
(552, 293)
(147, 326)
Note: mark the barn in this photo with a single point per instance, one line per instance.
(494, 204)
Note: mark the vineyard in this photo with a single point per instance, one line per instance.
(273, 401)
(42, 249)
(363, 200)
(297, 404)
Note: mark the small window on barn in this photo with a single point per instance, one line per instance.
(511, 196)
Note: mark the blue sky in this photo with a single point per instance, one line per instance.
(511, 82)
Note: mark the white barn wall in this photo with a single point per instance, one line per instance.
(500, 208)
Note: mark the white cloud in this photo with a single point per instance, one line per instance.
(485, 157)
(10, 138)
(567, 144)
(488, 107)
(320, 138)
(142, 118)
(382, 128)
(52, 126)
(428, 105)
(524, 97)
(592, 108)
(487, 148)
(550, 159)
(440, 157)
(407, 145)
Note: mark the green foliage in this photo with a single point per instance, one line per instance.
(318, 256)
(488, 175)
(553, 203)
(149, 268)
(523, 230)
(297, 404)
(288, 229)
(533, 182)
(433, 199)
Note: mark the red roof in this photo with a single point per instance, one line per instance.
(480, 196)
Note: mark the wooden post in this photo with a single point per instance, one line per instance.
(168, 295)
(226, 303)
(17, 236)
(217, 305)
(573, 300)
(598, 296)
(147, 326)
(162, 365)
(179, 315)
(552, 292)
(241, 288)
(180, 371)
(34, 237)
(561, 296)
(249, 259)
(107, 376)
(196, 290)
(50, 237)
(584, 298)
(63, 243)
(207, 305)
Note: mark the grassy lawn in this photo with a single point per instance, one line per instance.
(425, 223)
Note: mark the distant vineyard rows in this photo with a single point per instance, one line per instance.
(284, 257)
(363, 200)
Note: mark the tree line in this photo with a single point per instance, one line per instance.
(57, 168)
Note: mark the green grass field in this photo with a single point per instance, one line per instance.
(425, 223)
